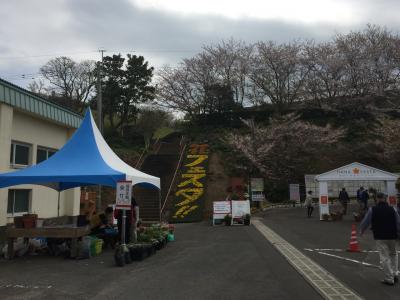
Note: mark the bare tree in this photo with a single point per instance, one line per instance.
(37, 87)
(177, 90)
(278, 73)
(383, 56)
(358, 63)
(371, 60)
(326, 76)
(231, 60)
(69, 79)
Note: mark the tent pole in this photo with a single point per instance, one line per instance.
(159, 202)
(98, 202)
(58, 207)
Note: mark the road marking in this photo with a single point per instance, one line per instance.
(342, 250)
(325, 283)
(23, 286)
(349, 259)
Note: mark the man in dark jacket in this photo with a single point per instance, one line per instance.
(344, 199)
(385, 224)
(364, 198)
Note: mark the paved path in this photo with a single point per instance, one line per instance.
(325, 283)
(325, 242)
(204, 263)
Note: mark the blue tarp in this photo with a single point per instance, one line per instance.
(86, 159)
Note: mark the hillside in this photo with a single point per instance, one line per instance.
(371, 135)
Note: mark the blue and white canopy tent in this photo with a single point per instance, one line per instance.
(85, 159)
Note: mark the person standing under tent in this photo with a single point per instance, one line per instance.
(385, 223)
(130, 221)
(309, 204)
(344, 199)
(135, 219)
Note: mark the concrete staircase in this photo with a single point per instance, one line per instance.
(162, 162)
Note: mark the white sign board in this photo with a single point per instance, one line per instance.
(222, 207)
(294, 191)
(124, 194)
(257, 196)
(257, 184)
(356, 171)
(240, 208)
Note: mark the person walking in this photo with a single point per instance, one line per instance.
(364, 199)
(309, 204)
(344, 199)
(385, 223)
(359, 192)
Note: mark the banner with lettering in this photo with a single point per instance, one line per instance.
(188, 204)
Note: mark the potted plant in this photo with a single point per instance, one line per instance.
(246, 219)
(228, 220)
(137, 251)
(119, 256)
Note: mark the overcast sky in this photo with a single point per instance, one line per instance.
(165, 31)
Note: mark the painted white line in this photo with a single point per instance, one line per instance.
(341, 250)
(349, 259)
(23, 286)
(323, 282)
(335, 250)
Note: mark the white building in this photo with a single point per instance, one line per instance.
(31, 130)
(334, 187)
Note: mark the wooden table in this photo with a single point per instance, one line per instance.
(69, 232)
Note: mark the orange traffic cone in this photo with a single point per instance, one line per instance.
(354, 246)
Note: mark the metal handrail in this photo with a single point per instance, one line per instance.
(139, 162)
(173, 179)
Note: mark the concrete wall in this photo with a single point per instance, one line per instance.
(21, 127)
(6, 120)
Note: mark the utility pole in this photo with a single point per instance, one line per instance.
(99, 114)
(99, 93)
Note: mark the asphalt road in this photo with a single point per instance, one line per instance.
(304, 233)
(203, 263)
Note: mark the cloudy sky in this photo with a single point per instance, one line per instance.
(165, 31)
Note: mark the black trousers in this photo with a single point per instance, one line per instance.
(309, 210)
(344, 204)
(127, 230)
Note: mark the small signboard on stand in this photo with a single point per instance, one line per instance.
(257, 189)
(240, 209)
(124, 194)
(220, 210)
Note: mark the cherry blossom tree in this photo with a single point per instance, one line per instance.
(277, 149)
(389, 140)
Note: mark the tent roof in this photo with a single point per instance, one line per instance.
(356, 171)
(85, 159)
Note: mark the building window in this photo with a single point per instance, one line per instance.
(18, 201)
(44, 153)
(20, 153)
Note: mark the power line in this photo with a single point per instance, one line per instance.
(94, 51)
(45, 55)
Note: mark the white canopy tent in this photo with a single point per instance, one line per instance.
(355, 172)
